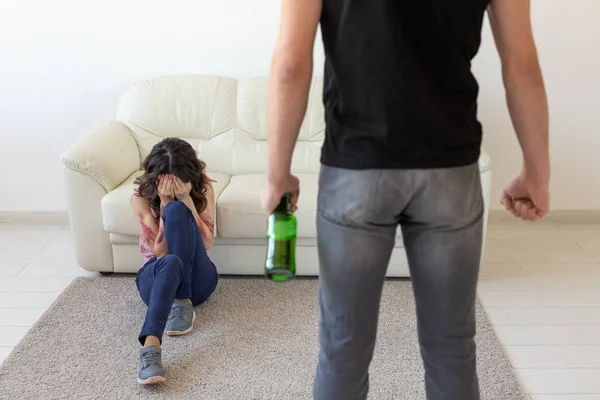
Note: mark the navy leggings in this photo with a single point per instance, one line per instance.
(185, 273)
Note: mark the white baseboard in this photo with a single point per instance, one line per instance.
(35, 217)
(61, 217)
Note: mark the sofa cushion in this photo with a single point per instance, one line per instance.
(117, 215)
(240, 215)
(251, 148)
(198, 108)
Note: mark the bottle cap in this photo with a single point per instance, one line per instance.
(285, 205)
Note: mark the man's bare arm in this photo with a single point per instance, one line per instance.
(523, 81)
(527, 196)
(291, 74)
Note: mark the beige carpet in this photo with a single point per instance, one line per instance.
(253, 340)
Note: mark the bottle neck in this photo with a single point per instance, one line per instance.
(285, 205)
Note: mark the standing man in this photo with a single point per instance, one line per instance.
(401, 148)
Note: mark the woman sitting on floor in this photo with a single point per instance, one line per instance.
(174, 204)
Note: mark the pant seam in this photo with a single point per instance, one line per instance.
(367, 229)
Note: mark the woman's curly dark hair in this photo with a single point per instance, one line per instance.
(176, 157)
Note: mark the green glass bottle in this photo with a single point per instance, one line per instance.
(281, 232)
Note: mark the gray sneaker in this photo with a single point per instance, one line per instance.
(181, 319)
(150, 369)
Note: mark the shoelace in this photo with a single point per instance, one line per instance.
(150, 358)
(177, 312)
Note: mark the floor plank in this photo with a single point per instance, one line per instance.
(553, 356)
(548, 335)
(4, 352)
(20, 316)
(540, 298)
(56, 251)
(528, 316)
(10, 270)
(560, 381)
(21, 251)
(540, 269)
(589, 244)
(49, 284)
(539, 283)
(27, 299)
(579, 231)
(10, 336)
(565, 397)
(539, 256)
(532, 244)
(522, 230)
(38, 270)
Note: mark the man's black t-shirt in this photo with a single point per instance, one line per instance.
(398, 88)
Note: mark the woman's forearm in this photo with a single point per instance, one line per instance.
(204, 230)
(207, 236)
(148, 224)
(160, 245)
(187, 200)
(149, 230)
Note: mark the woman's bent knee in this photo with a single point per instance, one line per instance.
(175, 207)
(171, 263)
(176, 213)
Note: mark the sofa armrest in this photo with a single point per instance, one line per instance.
(97, 163)
(108, 153)
(485, 162)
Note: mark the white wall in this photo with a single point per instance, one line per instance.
(568, 39)
(64, 63)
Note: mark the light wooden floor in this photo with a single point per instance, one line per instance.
(540, 285)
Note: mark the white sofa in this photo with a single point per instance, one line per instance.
(224, 119)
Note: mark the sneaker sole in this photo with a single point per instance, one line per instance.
(153, 380)
(188, 330)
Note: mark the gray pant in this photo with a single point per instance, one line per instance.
(441, 215)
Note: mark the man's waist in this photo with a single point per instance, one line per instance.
(403, 158)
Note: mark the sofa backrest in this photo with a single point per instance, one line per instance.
(223, 118)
